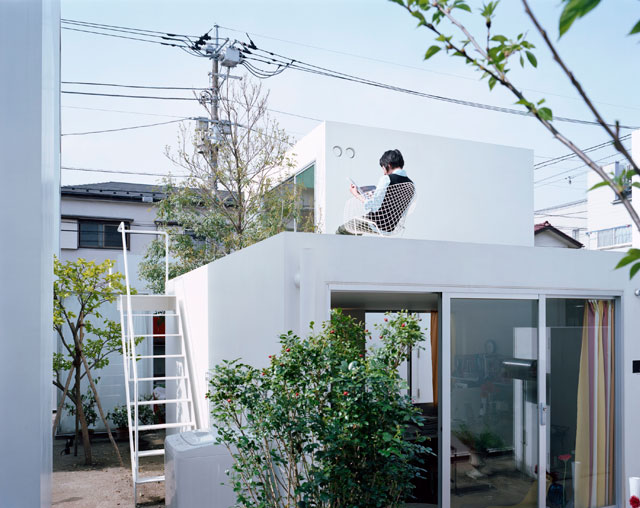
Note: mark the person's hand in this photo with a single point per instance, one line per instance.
(354, 190)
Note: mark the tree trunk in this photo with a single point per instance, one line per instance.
(80, 419)
(76, 390)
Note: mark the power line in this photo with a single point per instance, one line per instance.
(124, 128)
(122, 111)
(397, 64)
(254, 54)
(123, 172)
(562, 158)
(119, 85)
(127, 96)
(616, 154)
(118, 27)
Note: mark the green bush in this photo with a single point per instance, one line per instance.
(324, 425)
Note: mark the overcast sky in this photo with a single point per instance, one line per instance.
(388, 47)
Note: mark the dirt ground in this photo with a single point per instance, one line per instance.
(104, 484)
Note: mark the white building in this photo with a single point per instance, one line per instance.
(517, 324)
(90, 215)
(600, 221)
(456, 181)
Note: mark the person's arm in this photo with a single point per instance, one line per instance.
(374, 202)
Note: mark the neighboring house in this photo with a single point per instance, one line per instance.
(90, 215)
(547, 235)
(569, 218)
(459, 183)
(610, 227)
(599, 222)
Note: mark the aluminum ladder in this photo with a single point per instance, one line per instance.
(148, 306)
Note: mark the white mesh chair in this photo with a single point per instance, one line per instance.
(399, 201)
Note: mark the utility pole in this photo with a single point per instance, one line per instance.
(212, 130)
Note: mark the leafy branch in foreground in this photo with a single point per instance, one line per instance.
(495, 55)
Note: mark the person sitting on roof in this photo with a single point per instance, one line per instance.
(383, 206)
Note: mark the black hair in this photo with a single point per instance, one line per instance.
(392, 158)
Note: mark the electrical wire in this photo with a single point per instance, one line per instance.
(124, 128)
(122, 172)
(539, 183)
(254, 54)
(146, 87)
(122, 111)
(562, 158)
(100, 94)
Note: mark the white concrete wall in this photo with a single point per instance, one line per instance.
(30, 162)
(635, 192)
(467, 191)
(284, 282)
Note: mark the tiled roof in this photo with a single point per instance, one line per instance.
(119, 191)
(546, 226)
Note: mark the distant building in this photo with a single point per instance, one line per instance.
(546, 235)
(90, 215)
(569, 218)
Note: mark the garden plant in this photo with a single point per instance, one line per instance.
(327, 423)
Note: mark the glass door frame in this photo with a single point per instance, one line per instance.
(444, 381)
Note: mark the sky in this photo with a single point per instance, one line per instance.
(373, 39)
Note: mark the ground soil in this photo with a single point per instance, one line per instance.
(104, 484)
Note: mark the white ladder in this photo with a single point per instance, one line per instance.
(148, 306)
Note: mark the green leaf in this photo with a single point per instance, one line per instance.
(541, 101)
(464, 7)
(521, 61)
(545, 114)
(399, 2)
(386, 437)
(492, 82)
(635, 29)
(532, 59)
(431, 51)
(631, 256)
(573, 10)
(634, 270)
(499, 38)
(599, 184)
(636, 184)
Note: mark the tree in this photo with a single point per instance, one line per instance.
(88, 338)
(324, 425)
(236, 193)
(494, 56)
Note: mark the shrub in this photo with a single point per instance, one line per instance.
(324, 425)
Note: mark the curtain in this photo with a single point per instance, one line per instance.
(594, 475)
(434, 354)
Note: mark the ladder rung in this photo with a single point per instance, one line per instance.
(153, 315)
(162, 378)
(155, 335)
(160, 401)
(164, 426)
(150, 479)
(151, 453)
(146, 357)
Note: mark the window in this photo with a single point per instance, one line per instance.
(305, 181)
(613, 236)
(94, 234)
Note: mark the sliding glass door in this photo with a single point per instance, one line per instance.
(494, 421)
(528, 402)
(581, 389)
